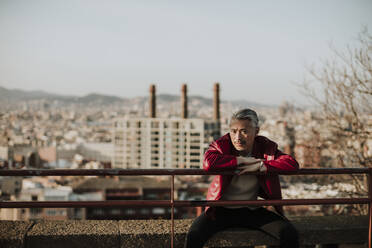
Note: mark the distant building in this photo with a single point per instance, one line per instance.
(4, 153)
(38, 193)
(101, 152)
(10, 186)
(127, 188)
(26, 155)
(48, 154)
(162, 143)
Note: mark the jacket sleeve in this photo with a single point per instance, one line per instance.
(215, 160)
(281, 162)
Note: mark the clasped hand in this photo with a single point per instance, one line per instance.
(248, 164)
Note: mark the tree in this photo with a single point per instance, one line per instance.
(345, 105)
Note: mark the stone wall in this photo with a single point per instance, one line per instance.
(156, 233)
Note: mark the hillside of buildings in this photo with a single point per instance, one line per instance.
(41, 130)
(13, 99)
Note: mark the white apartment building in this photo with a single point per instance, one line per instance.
(162, 143)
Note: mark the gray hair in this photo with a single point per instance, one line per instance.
(246, 114)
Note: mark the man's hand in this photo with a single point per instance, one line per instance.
(244, 162)
(248, 164)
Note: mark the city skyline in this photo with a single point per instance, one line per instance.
(256, 51)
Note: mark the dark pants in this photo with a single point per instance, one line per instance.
(262, 219)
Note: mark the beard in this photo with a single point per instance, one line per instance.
(240, 145)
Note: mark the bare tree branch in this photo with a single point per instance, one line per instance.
(345, 104)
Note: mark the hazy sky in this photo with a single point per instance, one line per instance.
(255, 49)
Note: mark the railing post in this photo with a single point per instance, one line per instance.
(370, 207)
(172, 210)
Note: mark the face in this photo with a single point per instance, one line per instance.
(242, 134)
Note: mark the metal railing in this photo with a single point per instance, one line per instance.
(172, 203)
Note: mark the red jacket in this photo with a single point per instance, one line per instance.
(221, 156)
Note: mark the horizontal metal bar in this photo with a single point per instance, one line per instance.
(286, 202)
(83, 204)
(167, 203)
(138, 172)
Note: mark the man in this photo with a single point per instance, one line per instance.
(242, 149)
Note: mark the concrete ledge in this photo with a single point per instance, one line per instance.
(156, 233)
(141, 233)
(332, 229)
(144, 233)
(13, 233)
(62, 234)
